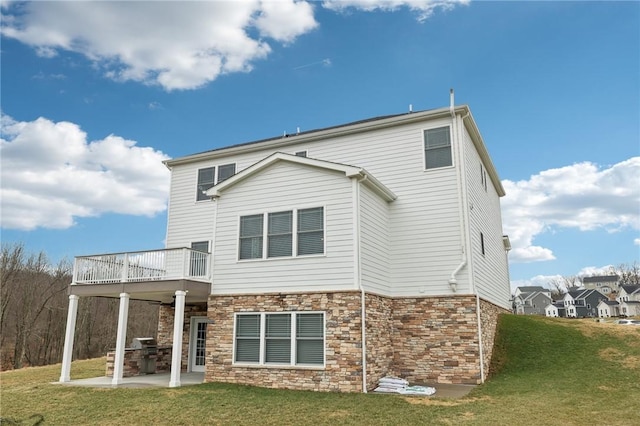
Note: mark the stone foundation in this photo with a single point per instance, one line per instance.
(343, 352)
(165, 327)
(421, 339)
(133, 362)
(489, 322)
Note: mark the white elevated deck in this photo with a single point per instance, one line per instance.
(146, 275)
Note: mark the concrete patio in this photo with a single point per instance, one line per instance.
(187, 379)
(144, 381)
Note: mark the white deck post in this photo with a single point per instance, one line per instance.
(123, 315)
(65, 373)
(176, 351)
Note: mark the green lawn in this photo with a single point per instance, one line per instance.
(551, 371)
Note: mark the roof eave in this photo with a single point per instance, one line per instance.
(311, 136)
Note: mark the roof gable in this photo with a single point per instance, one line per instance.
(349, 171)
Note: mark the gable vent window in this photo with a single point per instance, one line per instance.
(290, 233)
(301, 153)
(437, 148)
(482, 243)
(210, 176)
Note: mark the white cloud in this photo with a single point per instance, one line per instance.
(582, 196)
(422, 8)
(173, 44)
(51, 174)
(636, 241)
(177, 45)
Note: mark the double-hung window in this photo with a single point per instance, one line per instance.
(291, 338)
(437, 148)
(311, 231)
(280, 234)
(251, 236)
(209, 176)
(289, 233)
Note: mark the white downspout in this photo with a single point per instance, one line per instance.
(453, 282)
(357, 273)
(465, 239)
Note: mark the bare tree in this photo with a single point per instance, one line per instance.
(629, 274)
(33, 310)
(560, 286)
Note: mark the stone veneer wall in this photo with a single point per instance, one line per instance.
(343, 352)
(436, 339)
(165, 327)
(379, 338)
(133, 360)
(489, 321)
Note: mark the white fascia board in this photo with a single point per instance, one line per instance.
(216, 190)
(472, 128)
(377, 186)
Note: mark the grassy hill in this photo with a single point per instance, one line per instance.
(545, 371)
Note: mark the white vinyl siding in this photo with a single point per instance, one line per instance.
(374, 238)
(279, 338)
(423, 223)
(286, 187)
(488, 255)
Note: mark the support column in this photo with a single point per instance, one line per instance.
(123, 316)
(65, 373)
(176, 352)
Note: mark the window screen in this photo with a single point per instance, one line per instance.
(251, 236)
(280, 237)
(437, 148)
(311, 231)
(205, 181)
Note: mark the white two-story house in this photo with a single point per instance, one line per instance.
(324, 259)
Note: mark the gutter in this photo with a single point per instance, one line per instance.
(453, 282)
(465, 237)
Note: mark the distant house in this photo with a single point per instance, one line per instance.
(630, 308)
(555, 310)
(605, 284)
(531, 300)
(608, 309)
(628, 293)
(582, 303)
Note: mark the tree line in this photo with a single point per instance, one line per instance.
(628, 274)
(33, 311)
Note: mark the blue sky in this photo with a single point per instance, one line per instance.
(96, 95)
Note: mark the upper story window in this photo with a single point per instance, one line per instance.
(288, 233)
(209, 176)
(483, 177)
(437, 148)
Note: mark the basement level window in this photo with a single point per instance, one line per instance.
(294, 338)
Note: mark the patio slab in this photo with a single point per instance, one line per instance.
(149, 380)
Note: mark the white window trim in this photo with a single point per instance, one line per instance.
(424, 153)
(292, 364)
(294, 238)
(215, 177)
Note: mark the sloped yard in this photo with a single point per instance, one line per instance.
(547, 371)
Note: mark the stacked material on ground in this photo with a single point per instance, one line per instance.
(390, 384)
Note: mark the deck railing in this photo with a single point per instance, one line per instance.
(155, 265)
